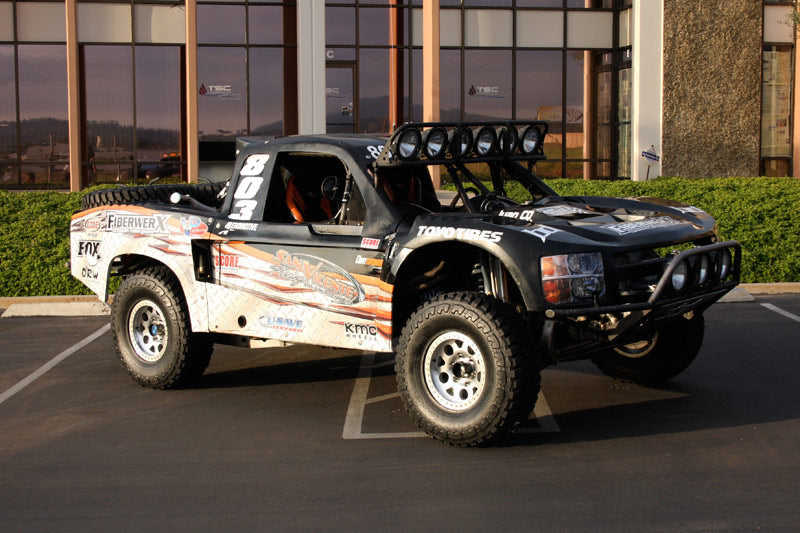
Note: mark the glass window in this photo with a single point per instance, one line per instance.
(574, 125)
(340, 25)
(591, 3)
(776, 101)
(449, 27)
(590, 29)
(266, 24)
(540, 28)
(373, 26)
(776, 30)
(109, 105)
(266, 97)
(220, 24)
(40, 21)
(488, 3)
(6, 21)
(603, 125)
(8, 117)
(159, 24)
(43, 102)
(487, 82)
(104, 23)
(624, 119)
(222, 106)
(488, 27)
(416, 85)
(625, 28)
(449, 85)
(540, 3)
(373, 87)
(539, 85)
(158, 101)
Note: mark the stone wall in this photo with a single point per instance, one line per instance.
(712, 88)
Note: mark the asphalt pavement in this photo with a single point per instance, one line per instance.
(303, 438)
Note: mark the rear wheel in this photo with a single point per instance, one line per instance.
(658, 358)
(465, 368)
(152, 333)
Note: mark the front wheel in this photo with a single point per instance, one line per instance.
(658, 358)
(152, 333)
(465, 368)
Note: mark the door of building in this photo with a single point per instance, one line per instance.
(340, 98)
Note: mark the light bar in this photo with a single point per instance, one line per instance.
(434, 143)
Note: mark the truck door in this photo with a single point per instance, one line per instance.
(304, 271)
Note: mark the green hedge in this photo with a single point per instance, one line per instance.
(761, 213)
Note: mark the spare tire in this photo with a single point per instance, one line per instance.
(205, 194)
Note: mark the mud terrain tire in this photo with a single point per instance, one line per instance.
(673, 348)
(205, 194)
(465, 368)
(152, 332)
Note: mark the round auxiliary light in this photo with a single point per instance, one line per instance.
(461, 142)
(680, 276)
(485, 141)
(435, 145)
(408, 144)
(723, 264)
(703, 269)
(531, 140)
(509, 140)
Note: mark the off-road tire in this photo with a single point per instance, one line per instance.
(184, 356)
(676, 346)
(205, 194)
(511, 373)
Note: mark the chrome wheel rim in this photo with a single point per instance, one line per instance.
(639, 349)
(454, 370)
(147, 331)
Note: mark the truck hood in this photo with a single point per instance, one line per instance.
(580, 221)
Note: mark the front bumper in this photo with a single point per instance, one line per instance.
(637, 319)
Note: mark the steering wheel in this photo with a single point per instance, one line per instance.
(457, 197)
(332, 188)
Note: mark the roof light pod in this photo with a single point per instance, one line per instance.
(508, 140)
(435, 144)
(408, 144)
(485, 141)
(531, 140)
(461, 142)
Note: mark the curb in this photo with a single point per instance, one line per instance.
(79, 305)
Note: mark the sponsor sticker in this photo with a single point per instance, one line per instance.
(239, 226)
(94, 223)
(369, 261)
(563, 210)
(541, 231)
(129, 223)
(226, 261)
(281, 323)
(463, 234)
(625, 228)
(193, 226)
(519, 215)
(370, 244)
(324, 277)
(360, 331)
(689, 209)
(89, 273)
(89, 250)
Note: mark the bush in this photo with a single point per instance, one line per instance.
(761, 213)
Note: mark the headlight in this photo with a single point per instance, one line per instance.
(408, 144)
(531, 139)
(509, 140)
(572, 277)
(703, 269)
(723, 265)
(485, 141)
(461, 142)
(435, 145)
(679, 276)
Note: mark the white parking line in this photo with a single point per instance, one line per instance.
(781, 312)
(359, 400)
(42, 370)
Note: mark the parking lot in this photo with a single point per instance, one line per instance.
(317, 439)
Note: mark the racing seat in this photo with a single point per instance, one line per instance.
(304, 201)
(407, 192)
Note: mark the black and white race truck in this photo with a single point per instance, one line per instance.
(341, 240)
